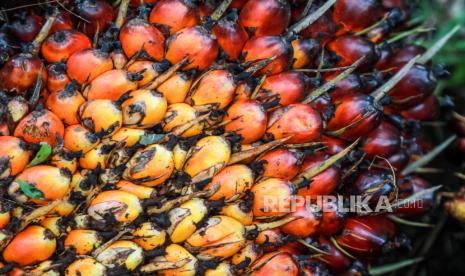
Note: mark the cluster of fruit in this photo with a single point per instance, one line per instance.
(174, 137)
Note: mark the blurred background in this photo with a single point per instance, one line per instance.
(443, 15)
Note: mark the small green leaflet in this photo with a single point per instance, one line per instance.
(30, 190)
(42, 155)
(149, 139)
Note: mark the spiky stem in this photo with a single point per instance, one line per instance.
(433, 50)
(270, 225)
(216, 15)
(43, 34)
(123, 9)
(239, 156)
(428, 157)
(324, 164)
(330, 84)
(310, 19)
(379, 93)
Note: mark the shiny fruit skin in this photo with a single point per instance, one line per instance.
(32, 245)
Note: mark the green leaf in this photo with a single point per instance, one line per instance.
(393, 267)
(30, 190)
(149, 139)
(42, 155)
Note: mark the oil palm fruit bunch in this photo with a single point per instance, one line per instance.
(179, 137)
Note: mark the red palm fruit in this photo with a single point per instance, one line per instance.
(276, 263)
(348, 86)
(265, 17)
(323, 183)
(333, 218)
(123, 206)
(404, 55)
(173, 15)
(300, 121)
(194, 42)
(179, 114)
(87, 64)
(385, 56)
(175, 88)
(244, 90)
(14, 156)
(40, 126)
(233, 181)
(382, 141)
(4, 130)
(305, 52)
(290, 87)
(368, 236)
(356, 15)
(98, 12)
(142, 192)
(84, 241)
(349, 48)
(79, 139)
(282, 163)
(57, 78)
(137, 35)
(423, 111)
(239, 210)
(149, 70)
(32, 245)
(294, 248)
(215, 87)
(85, 266)
(101, 116)
(272, 198)
(246, 256)
(62, 22)
(65, 103)
(51, 181)
(21, 72)
(264, 47)
(144, 108)
(248, 119)
(304, 226)
(398, 160)
(26, 26)
(62, 44)
(220, 238)
(231, 36)
(111, 85)
(334, 259)
(237, 4)
(270, 240)
(322, 29)
(409, 186)
(325, 105)
(150, 166)
(414, 88)
(333, 145)
(355, 116)
(374, 184)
